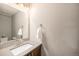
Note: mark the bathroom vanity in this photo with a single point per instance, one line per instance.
(26, 48)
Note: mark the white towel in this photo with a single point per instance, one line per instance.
(41, 37)
(20, 31)
(39, 34)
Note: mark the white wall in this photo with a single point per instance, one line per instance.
(62, 26)
(5, 25)
(20, 19)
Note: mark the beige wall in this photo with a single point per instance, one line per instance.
(20, 19)
(62, 27)
(5, 25)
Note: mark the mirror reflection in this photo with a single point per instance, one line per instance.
(13, 23)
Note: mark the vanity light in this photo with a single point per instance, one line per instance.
(23, 5)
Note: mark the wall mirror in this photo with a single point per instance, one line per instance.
(13, 22)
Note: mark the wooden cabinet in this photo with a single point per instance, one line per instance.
(35, 52)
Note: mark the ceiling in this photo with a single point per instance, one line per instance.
(6, 9)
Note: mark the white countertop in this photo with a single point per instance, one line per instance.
(5, 50)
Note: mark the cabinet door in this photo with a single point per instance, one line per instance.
(37, 51)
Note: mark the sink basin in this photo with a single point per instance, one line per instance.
(20, 49)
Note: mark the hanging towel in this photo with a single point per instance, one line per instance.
(39, 34)
(41, 37)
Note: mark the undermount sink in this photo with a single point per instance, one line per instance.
(20, 49)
